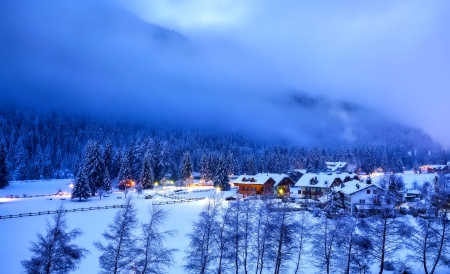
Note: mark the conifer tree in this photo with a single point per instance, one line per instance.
(107, 181)
(221, 179)
(53, 252)
(230, 163)
(125, 173)
(81, 187)
(146, 179)
(186, 167)
(204, 172)
(107, 155)
(93, 166)
(4, 176)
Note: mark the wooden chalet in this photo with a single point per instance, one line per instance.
(263, 184)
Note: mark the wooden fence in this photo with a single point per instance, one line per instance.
(4, 217)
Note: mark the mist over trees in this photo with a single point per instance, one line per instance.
(53, 145)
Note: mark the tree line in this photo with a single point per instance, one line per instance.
(53, 145)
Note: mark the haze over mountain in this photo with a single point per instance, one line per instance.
(96, 57)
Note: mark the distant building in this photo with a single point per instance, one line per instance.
(263, 184)
(316, 185)
(438, 169)
(336, 166)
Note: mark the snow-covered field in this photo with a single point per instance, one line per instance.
(17, 233)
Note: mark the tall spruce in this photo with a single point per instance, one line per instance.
(146, 179)
(221, 180)
(81, 187)
(4, 175)
(125, 173)
(93, 166)
(186, 167)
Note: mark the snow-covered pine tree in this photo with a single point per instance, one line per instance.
(116, 164)
(138, 158)
(204, 173)
(4, 175)
(125, 173)
(163, 165)
(384, 161)
(107, 186)
(81, 187)
(230, 163)
(54, 252)
(107, 155)
(121, 248)
(186, 167)
(146, 179)
(93, 166)
(221, 179)
(250, 165)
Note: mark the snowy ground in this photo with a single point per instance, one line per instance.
(17, 233)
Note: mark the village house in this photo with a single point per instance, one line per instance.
(336, 166)
(358, 196)
(438, 169)
(316, 185)
(263, 184)
(412, 195)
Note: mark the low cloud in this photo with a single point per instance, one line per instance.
(232, 64)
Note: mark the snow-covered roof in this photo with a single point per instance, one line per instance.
(333, 166)
(300, 170)
(322, 179)
(260, 178)
(434, 166)
(413, 192)
(352, 187)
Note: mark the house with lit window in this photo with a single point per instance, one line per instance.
(358, 196)
(263, 184)
(316, 185)
(438, 169)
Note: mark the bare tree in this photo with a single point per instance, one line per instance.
(153, 256)
(262, 231)
(120, 252)
(53, 253)
(430, 239)
(325, 253)
(202, 252)
(282, 237)
(302, 235)
(386, 230)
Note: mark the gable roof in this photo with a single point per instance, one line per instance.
(433, 166)
(333, 166)
(322, 179)
(260, 178)
(354, 186)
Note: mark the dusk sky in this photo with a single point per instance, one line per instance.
(239, 57)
